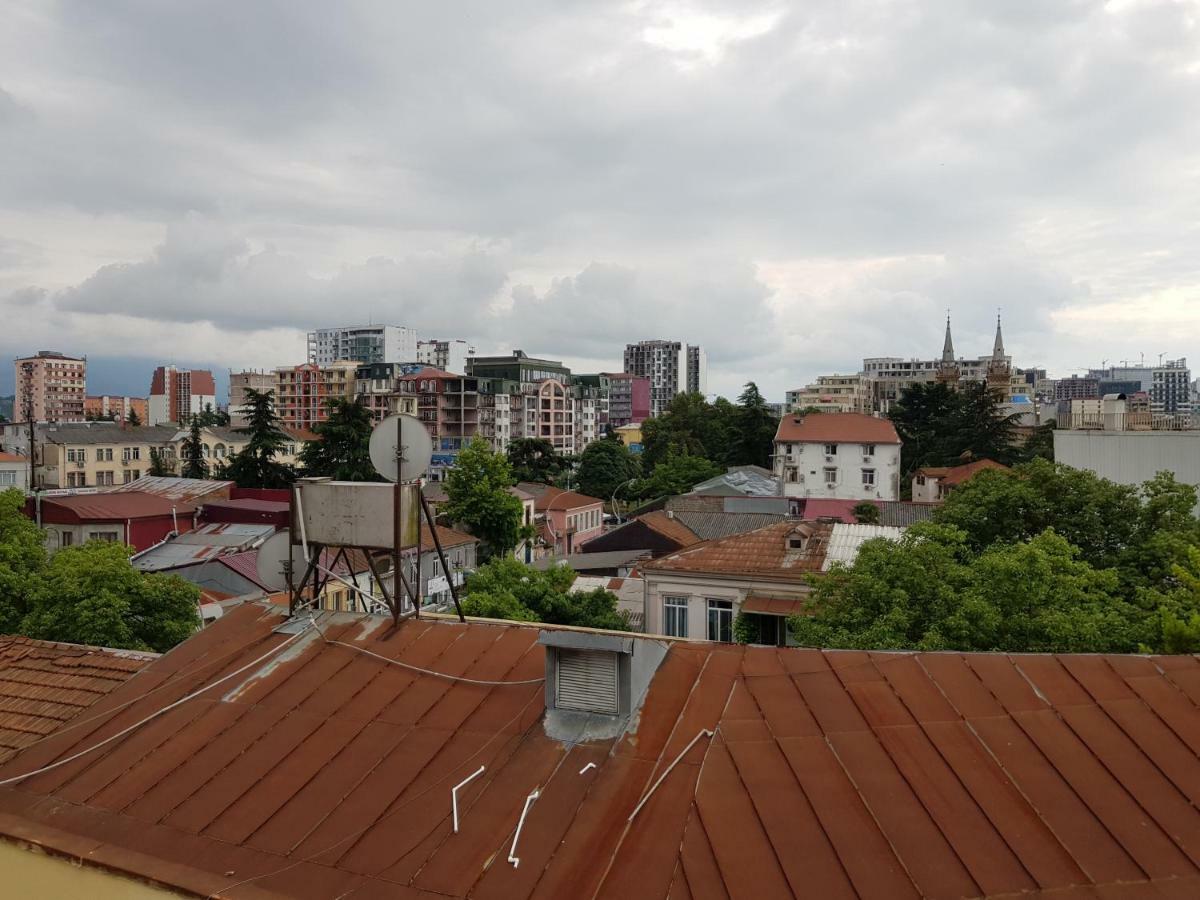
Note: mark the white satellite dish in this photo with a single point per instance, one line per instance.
(273, 556)
(416, 448)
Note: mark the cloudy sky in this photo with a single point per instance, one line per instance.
(792, 185)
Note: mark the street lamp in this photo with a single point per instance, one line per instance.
(616, 491)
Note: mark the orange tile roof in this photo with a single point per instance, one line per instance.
(832, 428)
(326, 773)
(12, 457)
(44, 685)
(448, 536)
(762, 553)
(555, 498)
(958, 474)
(669, 527)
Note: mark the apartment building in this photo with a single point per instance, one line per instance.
(303, 392)
(591, 394)
(671, 367)
(50, 387)
(107, 406)
(362, 344)
(1168, 385)
(841, 455)
(376, 386)
(98, 454)
(1077, 388)
(259, 380)
(449, 356)
(178, 394)
(628, 399)
(833, 393)
(448, 405)
(544, 406)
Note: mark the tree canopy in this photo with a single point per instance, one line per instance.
(754, 437)
(344, 449)
(941, 425)
(604, 466)
(92, 594)
(479, 499)
(724, 433)
(195, 465)
(22, 558)
(507, 589)
(255, 466)
(535, 459)
(678, 473)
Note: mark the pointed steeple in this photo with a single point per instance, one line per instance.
(948, 347)
(998, 346)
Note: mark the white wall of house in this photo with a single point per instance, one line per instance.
(926, 489)
(698, 590)
(843, 470)
(14, 473)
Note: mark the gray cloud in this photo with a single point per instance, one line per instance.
(795, 186)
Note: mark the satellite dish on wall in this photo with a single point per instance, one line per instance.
(415, 444)
(272, 558)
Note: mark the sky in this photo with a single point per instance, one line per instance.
(793, 186)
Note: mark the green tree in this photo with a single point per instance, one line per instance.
(479, 500)
(507, 589)
(535, 459)
(692, 426)
(678, 473)
(22, 557)
(195, 465)
(754, 443)
(604, 466)
(928, 591)
(1041, 443)
(92, 594)
(866, 513)
(255, 466)
(160, 465)
(343, 451)
(133, 418)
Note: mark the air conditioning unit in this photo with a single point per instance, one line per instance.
(829, 459)
(868, 459)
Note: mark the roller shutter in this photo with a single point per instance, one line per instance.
(587, 680)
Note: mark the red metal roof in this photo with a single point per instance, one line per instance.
(44, 685)
(763, 553)
(324, 772)
(835, 428)
(774, 606)
(117, 506)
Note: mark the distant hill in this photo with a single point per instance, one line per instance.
(6, 407)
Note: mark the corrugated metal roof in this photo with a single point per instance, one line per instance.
(44, 685)
(845, 541)
(205, 543)
(121, 505)
(786, 550)
(171, 488)
(710, 525)
(326, 773)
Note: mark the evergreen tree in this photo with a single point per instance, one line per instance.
(160, 465)
(133, 418)
(343, 451)
(255, 466)
(754, 444)
(535, 459)
(192, 451)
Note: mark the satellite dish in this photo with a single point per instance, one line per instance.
(415, 445)
(273, 556)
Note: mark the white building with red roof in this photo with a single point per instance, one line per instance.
(848, 456)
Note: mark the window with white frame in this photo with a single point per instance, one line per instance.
(868, 477)
(831, 476)
(675, 616)
(831, 449)
(720, 620)
(8, 478)
(868, 449)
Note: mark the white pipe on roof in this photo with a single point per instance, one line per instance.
(512, 854)
(454, 793)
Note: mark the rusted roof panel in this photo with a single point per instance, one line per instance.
(320, 771)
(44, 685)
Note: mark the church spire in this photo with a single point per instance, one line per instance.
(948, 347)
(998, 346)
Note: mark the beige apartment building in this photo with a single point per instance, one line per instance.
(105, 454)
(50, 387)
(302, 392)
(833, 394)
(241, 382)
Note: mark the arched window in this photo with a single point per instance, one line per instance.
(205, 450)
(219, 451)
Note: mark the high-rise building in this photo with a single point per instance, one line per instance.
(833, 394)
(302, 393)
(50, 387)
(664, 363)
(544, 406)
(363, 344)
(628, 399)
(449, 356)
(178, 394)
(697, 370)
(377, 387)
(241, 382)
(1168, 384)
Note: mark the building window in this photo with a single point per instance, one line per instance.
(921, 479)
(868, 449)
(8, 478)
(831, 449)
(67, 539)
(675, 616)
(831, 476)
(720, 620)
(868, 476)
(107, 536)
